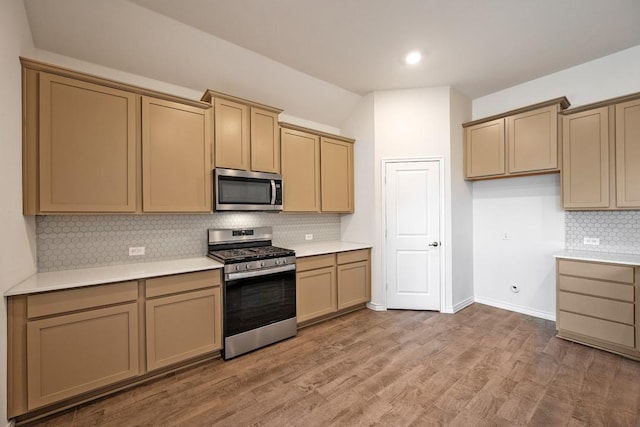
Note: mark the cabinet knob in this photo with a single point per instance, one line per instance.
(434, 244)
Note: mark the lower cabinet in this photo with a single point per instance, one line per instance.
(328, 284)
(597, 305)
(184, 325)
(74, 353)
(70, 345)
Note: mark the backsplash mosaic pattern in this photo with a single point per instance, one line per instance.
(618, 231)
(71, 242)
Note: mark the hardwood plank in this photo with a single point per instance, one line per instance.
(482, 366)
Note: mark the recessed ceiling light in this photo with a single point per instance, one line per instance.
(413, 57)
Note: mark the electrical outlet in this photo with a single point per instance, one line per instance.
(136, 251)
(308, 237)
(591, 241)
(506, 236)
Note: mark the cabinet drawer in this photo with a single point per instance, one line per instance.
(615, 273)
(616, 311)
(176, 283)
(57, 302)
(313, 262)
(353, 256)
(596, 288)
(616, 333)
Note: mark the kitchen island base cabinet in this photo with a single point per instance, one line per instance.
(597, 305)
(332, 284)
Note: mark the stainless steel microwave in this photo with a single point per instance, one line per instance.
(237, 190)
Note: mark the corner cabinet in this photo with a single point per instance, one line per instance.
(71, 345)
(332, 284)
(317, 171)
(92, 145)
(520, 142)
(601, 151)
(176, 157)
(597, 305)
(247, 135)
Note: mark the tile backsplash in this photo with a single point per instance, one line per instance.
(70, 242)
(618, 231)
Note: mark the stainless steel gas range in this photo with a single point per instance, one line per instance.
(259, 288)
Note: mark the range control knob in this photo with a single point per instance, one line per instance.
(284, 261)
(248, 266)
(237, 267)
(277, 262)
(262, 264)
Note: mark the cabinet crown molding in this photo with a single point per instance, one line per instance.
(563, 101)
(90, 78)
(604, 103)
(209, 95)
(316, 132)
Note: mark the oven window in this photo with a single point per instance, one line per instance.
(235, 190)
(259, 301)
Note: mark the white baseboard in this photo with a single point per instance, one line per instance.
(516, 308)
(375, 307)
(462, 304)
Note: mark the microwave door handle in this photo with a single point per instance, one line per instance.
(273, 191)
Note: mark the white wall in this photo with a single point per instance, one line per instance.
(410, 123)
(461, 207)
(529, 208)
(17, 234)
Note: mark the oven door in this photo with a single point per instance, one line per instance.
(256, 299)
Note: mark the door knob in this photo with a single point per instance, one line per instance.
(434, 244)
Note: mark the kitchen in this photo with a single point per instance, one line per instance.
(498, 206)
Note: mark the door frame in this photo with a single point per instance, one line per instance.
(443, 223)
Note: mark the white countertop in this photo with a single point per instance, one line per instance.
(321, 248)
(626, 259)
(67, 279)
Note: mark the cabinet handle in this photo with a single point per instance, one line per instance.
(434, 244)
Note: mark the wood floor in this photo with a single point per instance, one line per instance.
(481, 366)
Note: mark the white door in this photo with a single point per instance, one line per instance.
(412, 247)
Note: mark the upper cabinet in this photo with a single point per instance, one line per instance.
(336, 175)
(176, 157)
(601, 151)
(87, 146)
(317, 171)
(247, 134)
(300, 171)
(92, 145)
(520, 142)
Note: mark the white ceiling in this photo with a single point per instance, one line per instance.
(331, 51)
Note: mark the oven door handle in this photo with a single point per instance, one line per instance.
(258, 273)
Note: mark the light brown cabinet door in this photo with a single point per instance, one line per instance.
(265, 141)
(628, 154)
(231, 134)
(316, 293)
(176, 157)
(300, 171)
(336, 174)
(485, 149)
(87, 147)
(183, 326)
(533, 140)
(71, 354)
(585, 159)
(353, 284)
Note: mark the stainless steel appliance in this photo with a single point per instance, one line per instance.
(259, 289)
(237, 190)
